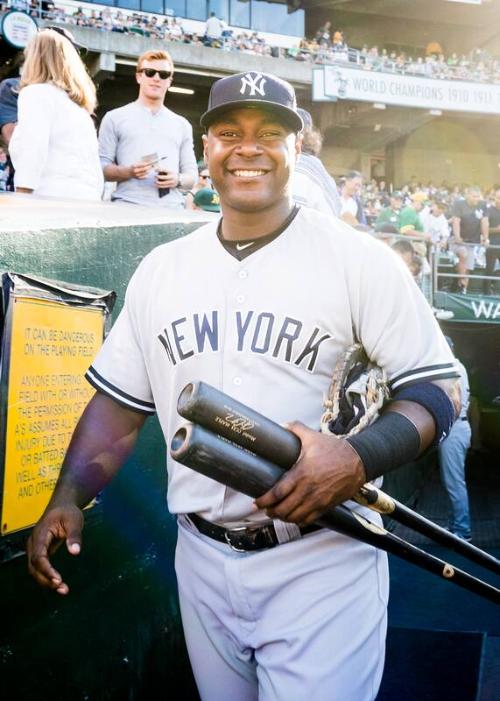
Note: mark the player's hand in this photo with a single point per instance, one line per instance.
(140, 170)
(166, 179)
(328, 472)
(59, 524)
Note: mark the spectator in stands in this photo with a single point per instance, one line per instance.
(412, 260)
(323, 35)
(213, 30)
(452, 457)
(134, 137)
(54, 145)
(388, 219)
(469, 223)
(207, 199)
(312, 185)
(383, 193)
(351, 209)
(492, 254)
(176, 30)
(9, 93)
(203, 183)
(372, 207)
(4, 170)
(435, 224)
(338, 40)
(409, 218)
(411, 224)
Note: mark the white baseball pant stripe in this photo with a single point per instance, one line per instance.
(302, 621)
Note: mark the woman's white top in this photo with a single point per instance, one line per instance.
(54, 146)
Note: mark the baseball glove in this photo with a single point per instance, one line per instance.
(357, 392)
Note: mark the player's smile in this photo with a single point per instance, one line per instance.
(242, 173)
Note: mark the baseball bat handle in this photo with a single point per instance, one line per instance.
(218, 459)
(216, 411)
(376, 499)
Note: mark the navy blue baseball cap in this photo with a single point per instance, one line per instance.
(255, 90)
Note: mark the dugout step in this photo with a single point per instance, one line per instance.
(432, 665)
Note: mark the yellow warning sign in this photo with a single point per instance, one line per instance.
(52, 345)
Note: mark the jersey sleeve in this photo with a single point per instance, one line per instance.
(108, 141)
(395, 323)
(187, 158)
(119, 369)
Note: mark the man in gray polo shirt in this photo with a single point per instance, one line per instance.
(145, 147)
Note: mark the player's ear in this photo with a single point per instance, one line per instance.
(298, 143)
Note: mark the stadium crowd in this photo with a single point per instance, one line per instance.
(325, 47)
(135, 155)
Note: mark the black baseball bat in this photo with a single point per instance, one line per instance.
(245, 472)
(216, 411)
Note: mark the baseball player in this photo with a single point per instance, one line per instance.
(260, 303)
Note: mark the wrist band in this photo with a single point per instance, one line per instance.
(391, 441)
(435, 401)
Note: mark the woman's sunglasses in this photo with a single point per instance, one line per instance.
(151, 72)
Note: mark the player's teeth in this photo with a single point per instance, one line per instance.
(248, 173)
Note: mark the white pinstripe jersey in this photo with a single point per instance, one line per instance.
(266, 330)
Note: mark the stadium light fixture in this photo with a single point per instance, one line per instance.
(184, 91)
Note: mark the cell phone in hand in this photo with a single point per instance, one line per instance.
(162, 170)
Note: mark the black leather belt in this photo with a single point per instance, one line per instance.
(244, 538)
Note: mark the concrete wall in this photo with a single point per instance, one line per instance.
(458, 151)
(212, 62)
(339, 160)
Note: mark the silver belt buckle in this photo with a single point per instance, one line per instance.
(239, 529)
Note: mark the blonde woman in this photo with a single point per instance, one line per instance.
(54, 146)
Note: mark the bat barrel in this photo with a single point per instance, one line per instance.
(207, 406)
(210, 455)
(218, 459)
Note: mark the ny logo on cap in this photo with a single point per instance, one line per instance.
(253, 82)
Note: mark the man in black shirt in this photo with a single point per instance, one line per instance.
(492, 254)
(470, 228)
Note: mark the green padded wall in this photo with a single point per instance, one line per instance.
(117, 635)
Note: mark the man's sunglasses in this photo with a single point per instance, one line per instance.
(151, 72)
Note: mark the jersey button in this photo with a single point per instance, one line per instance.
(240, 299)
(237, 381)
(243, 274)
